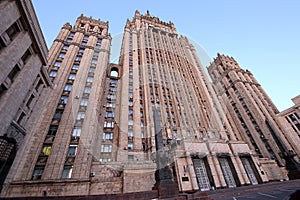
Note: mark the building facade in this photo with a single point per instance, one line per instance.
(252, 116)
(99, 132)
(23, 78)
(289, 120)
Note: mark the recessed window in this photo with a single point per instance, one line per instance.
(83, 43)
(99, 40)
(87, 90)
(72, 76)
(84, 102)
(109, 114)
(53, 73)
(69, 40)
(130, 146)
(130, 122)
(110, 105)
(57, 64)
(75, 67)
(107, 136)
(130, 133)
(67, 172)
(97, 46)
(106, 148)
(78, 58)
(89, 79)
(111, 96)
(92, 69)
(66, 47)
(80, 115)
(108, 124)
(52, 130)
(86, 37)
(61, 55)
(96, 54)
(81, 50)
(13, 30)
(94, 61)
(37, 173)
(72, 150)
(76, 131)
(130, 157)
(72, 34)
(68, 87)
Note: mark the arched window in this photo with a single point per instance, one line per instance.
(114, 72)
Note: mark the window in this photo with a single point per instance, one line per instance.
(111, 96)
(83, 43)
(46, 150)
(68, 87)
(53, 73)
(80, 115)
(63, 100)
(110, 105)
(37, 173)
(130, 103)
(76, 131)
(71, 34)
(87, 90)
(84, 102)
(66, 47)
(61, 55)
(12, 30)
(112, 81)
(75, 67)
(130, 157)
(130, 112)
(107, 136)
(52, 130)
(13, 73)
(96, 54)
(86, 37)
(57, 64)
(99, 40)
(130, 146)
(174, 133)
(69, 40)
(104, 159)
(97, 46)
(130, 133)
(109, 114)
(108, 124)
(89, 79)
(67, 172)
(81, 50)
(78, 58)
(106, 148)
(72, 150)
(130, 122)
(113, 89)
(92, 69)
(94, 61)
(58, 114)
(72, 76)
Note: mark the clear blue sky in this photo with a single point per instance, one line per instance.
(262, 35)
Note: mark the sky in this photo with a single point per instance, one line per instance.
(262, 35)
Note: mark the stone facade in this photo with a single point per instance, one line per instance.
(253, 117)
(112, 128)
(23, 79)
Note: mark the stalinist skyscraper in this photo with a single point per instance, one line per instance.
(107, 126)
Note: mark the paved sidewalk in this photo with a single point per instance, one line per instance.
(267, 191)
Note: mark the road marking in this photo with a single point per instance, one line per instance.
(266, 195)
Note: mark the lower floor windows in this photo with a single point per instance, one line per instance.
(106, 148)
(67, 172)
(37, 173)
